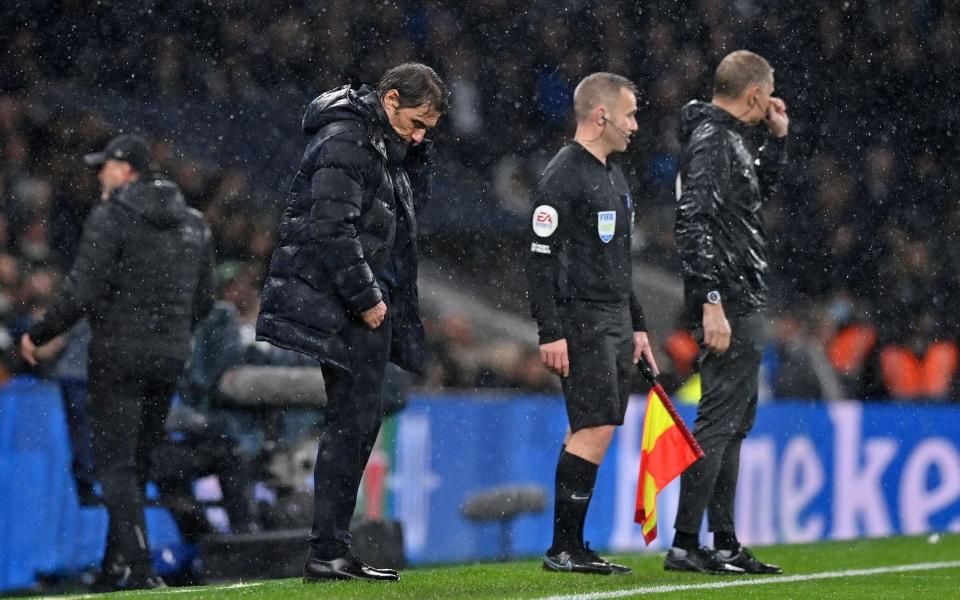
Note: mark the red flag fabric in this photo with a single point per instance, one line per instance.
(667, 450)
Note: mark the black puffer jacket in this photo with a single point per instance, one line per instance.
(721, 187)
(348, 234)
(143, 275)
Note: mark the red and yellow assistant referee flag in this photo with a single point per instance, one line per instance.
(668, 448)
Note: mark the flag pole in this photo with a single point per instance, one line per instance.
(661, 393)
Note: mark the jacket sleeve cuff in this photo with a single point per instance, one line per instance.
(40, 334)
(366, 299)
(550, 334)
(777, 145)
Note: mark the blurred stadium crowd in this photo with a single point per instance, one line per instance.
(865, 253)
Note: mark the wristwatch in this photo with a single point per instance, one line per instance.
(713, 297)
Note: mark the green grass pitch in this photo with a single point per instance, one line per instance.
(525, 579)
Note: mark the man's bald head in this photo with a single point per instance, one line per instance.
(599, 89)
(738, 71)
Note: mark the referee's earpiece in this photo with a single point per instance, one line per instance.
(603, 118)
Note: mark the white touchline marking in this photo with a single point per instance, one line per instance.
(767, 580)
(213, 588)
(165, 591)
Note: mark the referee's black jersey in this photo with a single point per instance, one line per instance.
(580, 239)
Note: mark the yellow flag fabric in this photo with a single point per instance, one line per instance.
(665, 454)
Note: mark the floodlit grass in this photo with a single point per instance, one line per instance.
(525, 579)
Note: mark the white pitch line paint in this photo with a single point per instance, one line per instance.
(768, 580)
(165, 591)
(214, 588)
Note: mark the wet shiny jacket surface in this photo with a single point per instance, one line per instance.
(721, 187)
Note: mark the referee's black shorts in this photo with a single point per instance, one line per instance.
(600, 346)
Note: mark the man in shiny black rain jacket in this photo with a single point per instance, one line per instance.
(342, 285)
(143, 276)
(590, 322)
(721, 188)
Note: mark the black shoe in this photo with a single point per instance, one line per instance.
(349, 553)
(150, 582)
(120, 577)
(578, 560)
(345, 567)
(701, 560)
(614, 567)
(393, 572)
(745, 560)
(618, 569)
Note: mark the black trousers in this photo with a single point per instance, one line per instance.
(351, 422)
(128, 404)
(727, 410)
(74, 392)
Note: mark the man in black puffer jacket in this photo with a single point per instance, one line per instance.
(342, 285)
(721, 188)
(143, 276)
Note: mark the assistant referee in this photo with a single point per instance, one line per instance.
(591, 326)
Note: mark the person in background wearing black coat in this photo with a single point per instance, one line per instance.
(143, 276)
(342, 285)
(721, 187)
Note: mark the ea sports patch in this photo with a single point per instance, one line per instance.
(606, 224)
(544, 220)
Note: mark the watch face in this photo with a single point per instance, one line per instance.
(713, 297)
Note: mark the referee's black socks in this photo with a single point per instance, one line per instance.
(575, 480)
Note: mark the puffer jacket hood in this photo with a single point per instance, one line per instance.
(337, 104)
(346, 104)
(157, 200)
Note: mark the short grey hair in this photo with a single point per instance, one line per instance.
(738, 71)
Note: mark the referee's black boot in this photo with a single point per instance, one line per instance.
(614, 567)
(577, 560)
(345, 567)
(701, 560)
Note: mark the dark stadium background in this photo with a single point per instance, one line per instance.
(863, 228)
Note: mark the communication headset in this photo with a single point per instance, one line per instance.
(604, 119)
